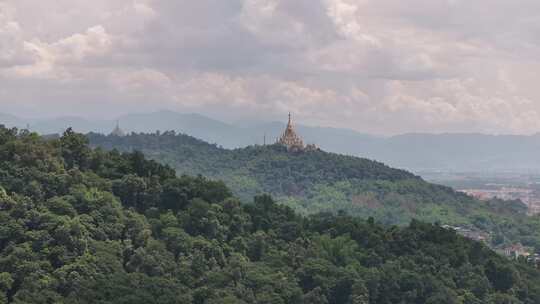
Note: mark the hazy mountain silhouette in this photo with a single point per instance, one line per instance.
(417, 152)
(12, 121)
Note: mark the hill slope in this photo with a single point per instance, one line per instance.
(87, 226)
(317, 181)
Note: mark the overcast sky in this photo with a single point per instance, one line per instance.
(380, 66)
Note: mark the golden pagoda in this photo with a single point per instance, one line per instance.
(118, 131)
(290, 139)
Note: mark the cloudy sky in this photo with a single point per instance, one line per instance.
(380, 66)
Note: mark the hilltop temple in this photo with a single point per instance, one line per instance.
(118, 131)
(292, 141)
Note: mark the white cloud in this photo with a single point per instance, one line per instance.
(143, 8)
(381, 66)
(10, 36)
(94, 42)
(51, 60)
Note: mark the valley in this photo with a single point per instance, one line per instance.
(488, 185)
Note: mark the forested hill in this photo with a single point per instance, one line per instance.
(313, 182)
(89, 226)
(276, 170)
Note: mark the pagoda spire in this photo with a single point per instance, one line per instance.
(289, 138)
(117, 130)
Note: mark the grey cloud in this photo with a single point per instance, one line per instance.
(383, 66)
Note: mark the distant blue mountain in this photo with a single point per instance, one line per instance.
(12, 121)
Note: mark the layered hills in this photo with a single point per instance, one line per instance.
(312, 182)
(83, 225)
(418, 152)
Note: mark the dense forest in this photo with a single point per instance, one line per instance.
(83, 225)
(317, 181)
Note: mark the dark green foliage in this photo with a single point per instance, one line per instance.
(316, 181)
(105, 227)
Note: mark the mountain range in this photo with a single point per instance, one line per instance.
(418, 152)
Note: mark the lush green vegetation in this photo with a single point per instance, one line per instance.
(90, 226)
(313, 182)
